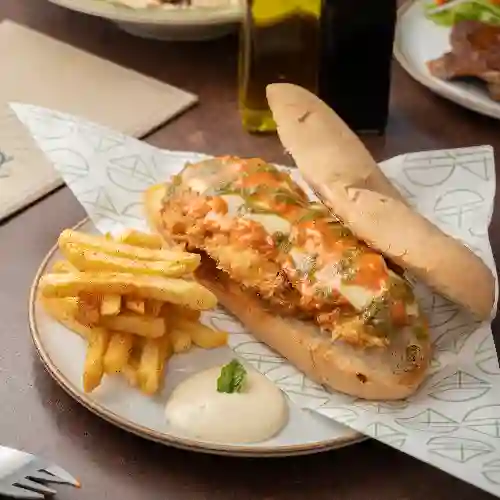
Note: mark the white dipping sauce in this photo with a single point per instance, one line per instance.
(255, 414)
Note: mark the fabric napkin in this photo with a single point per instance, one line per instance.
(40, 70)
(25, 172)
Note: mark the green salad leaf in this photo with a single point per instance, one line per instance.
(460, 10)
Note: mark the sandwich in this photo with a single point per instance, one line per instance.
(323, 283)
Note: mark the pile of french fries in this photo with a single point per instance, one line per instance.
(134, 302)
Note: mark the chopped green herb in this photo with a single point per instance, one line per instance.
(400, 289)
(224, 188)
(243, 209)
(413, 353)
(267, 167)
(346, 271)
(232, 377)
(324, 292)
(286, 197)
(346, 267)
(282, 241)
(308, 265)
(373, 311)
(420, 330)
(310, 215)
(340, 230)
(172, 186)
(257, 206)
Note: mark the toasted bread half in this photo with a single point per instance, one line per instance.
(338, 167)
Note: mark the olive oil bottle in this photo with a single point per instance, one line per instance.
(279, 42)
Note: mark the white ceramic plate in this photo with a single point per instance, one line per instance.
(63, 352)
(175, 23)
(419, 40)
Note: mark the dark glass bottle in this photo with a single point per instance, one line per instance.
(355, 60)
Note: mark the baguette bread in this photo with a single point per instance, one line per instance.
(369, 373)
(349, 182)
(346, 178)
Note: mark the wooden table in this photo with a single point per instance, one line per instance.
(37, 415)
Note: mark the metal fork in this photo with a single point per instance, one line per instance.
(23, 475)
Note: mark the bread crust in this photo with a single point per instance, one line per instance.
(384, 373)
(347, 179)
(375, 373)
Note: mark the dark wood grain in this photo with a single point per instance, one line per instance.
(38, 416)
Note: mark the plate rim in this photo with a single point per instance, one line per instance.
(149, 434)
(194, 16)
(428, 81)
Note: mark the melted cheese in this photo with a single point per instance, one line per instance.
(412, 309)
(329, 277)
(271, 223)
(359, 297)
(196, 184)
(234, 203)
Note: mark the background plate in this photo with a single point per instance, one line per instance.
(63, 352)
(189, 24)
(417, 41)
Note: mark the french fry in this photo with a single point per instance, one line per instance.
(110, 305)
(64, 311)
(151, 364)
(135, 305)
(145, 326)
(93, 369)
(118, 352)
(88, 312)
(153, 307)
(102, 244)
(140, 239)
(173, 311)
(129, 372)
(62, 266)
(91, 259)
(177, 291)
(167, 352)
(201, 335)
(134, 301)
(180, 340)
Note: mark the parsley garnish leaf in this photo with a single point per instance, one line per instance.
(232, 377)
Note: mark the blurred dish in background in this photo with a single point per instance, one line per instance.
(435, 44)
(179, 20)
(450, 12)
(475, 53)
(171, 4)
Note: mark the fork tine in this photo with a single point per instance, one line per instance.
(61, 476)
(45, 477)
(15, 492)
(34, 486)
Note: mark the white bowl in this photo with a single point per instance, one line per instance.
(173, 23)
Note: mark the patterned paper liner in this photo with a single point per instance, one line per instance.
(453, 421)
